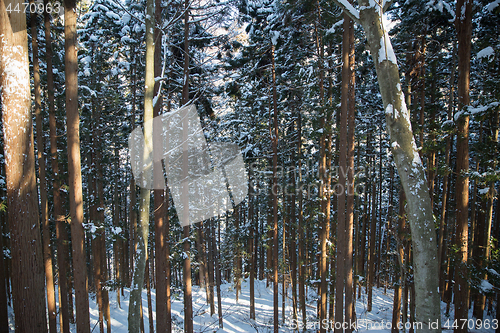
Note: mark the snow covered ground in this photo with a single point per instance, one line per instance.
(236, 316)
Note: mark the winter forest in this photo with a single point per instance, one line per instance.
(366, 133)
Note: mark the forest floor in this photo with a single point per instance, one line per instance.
(236, 314)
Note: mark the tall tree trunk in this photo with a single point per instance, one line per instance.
(237, 255)
(324, 193)
(61, 233)
(74, 168)
(301, 254)
(379, 210)
(274, 191)
(461, 288)
(371, 250)
(442, 220)
(168, 267)
(210, 244)
(341, 197)
(217, 271)
(150, 303)
(482, 247)
(251, 242)
(133, 195)
(47, 251)
(404, 275)
(421, 79)
(96, 248)
(163, 316)
(269, 252)
(141, 238)
(117, 243)
(4, 316)
(101, 234)
(293, 227)
(26, 249)
(151, 263)
(389, 224)
(398, 272)
(286, 221)
(409, 165)
(362, 242)
(188, 305)
(431, 159)
(261, 250)
(202, 253)
(349, 304)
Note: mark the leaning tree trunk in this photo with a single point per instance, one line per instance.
(28, 287)
(408, 163)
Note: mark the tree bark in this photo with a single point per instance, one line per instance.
(398, 272)
(237, 255)
(61, 233)
(150, 303)
(117, 243)
(47, 251)
(301, 249)
(28, 286)
(188, 305)
(324, 191)
(371, 250)
(74, 168)
(101, 234)
(293, 226)
(461, 288)
(211, 253)
(341, 197)
(133, 195)
(141, 238)
(163, 315)
(251, 243)
(217, 271)
(4, 316)
(274, 192)
(349, 304)
(442, 220)
(481, 250)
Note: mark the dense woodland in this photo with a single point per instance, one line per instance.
(369, 132)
